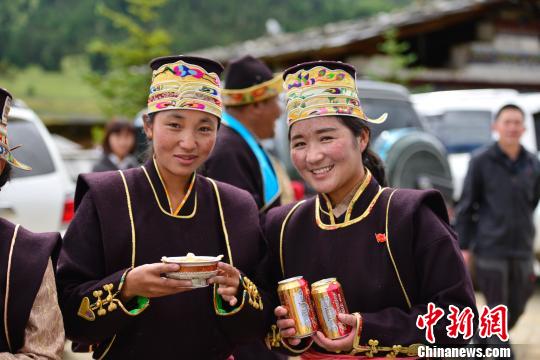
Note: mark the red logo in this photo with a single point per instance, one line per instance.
(494, 322)
(460, 322)
(429, 320)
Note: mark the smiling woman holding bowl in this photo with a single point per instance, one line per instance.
(113, 291)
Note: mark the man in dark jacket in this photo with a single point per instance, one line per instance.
(495, 215)
(250, 96)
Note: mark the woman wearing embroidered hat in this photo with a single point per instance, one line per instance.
(32, 320)
(390, 250)
(113, 291)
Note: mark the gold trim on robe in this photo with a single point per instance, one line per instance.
(8, 276)
(347, 221)
(189, 216)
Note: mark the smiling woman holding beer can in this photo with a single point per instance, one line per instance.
(391, 250)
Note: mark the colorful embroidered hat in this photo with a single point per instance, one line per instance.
(249, 80)
(5, 151)
(185, 83)
(323, 88)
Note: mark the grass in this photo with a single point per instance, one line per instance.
(57, 97)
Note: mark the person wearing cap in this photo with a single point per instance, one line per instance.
(32, 321)
(390, 249)
(252, 107)
(112, 290)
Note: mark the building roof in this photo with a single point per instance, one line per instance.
(335, 39)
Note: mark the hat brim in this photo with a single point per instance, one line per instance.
(5, 153)
(253, 94)
(361, 116)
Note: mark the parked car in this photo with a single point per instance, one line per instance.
(462, 119)
(75, 158)
(41, 199)
(414, 158)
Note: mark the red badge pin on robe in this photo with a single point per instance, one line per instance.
(381, 238)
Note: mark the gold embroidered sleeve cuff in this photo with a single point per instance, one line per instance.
(296, 349)
(106, 300)
(358, 333)
(273, 340)
(249, 290)
(372, 349)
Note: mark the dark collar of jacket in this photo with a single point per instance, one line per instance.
(497, 154)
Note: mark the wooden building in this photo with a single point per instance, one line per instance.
(458, 43)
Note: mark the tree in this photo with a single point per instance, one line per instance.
(395, 64)
(125, 82)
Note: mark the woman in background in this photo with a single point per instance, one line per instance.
(118, 147)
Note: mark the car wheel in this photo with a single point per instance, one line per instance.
(415, 160)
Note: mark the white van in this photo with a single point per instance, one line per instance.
(40, 199)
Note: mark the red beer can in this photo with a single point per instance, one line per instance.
(329, 301)
(294, 295)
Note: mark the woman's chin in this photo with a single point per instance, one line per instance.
(322, 186)
(184, 171)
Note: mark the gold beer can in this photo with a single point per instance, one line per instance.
(294, 295)
(329, 301)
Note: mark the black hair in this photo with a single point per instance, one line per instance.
(5, 176)
(509, 107)
(149, 152)
(117, 126)
(370, 160)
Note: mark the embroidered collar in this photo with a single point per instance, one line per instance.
(342, 207)
(365, 198)
(162, 197)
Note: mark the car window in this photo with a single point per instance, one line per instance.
(33, 152)
(400, 115)
(462, 131)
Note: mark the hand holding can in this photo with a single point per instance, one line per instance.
(286, 325)
(295, 297)
(345, 343)
(329, 301)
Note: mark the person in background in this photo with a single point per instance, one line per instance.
(389, 248)
(250, 96)
(32, 322)
(494, 217)
(118, 147)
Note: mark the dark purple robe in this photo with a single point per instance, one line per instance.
(98, 250)
(233, 162)
(29, 259)
(423, 245)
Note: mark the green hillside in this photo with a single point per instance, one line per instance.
(37, 36)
